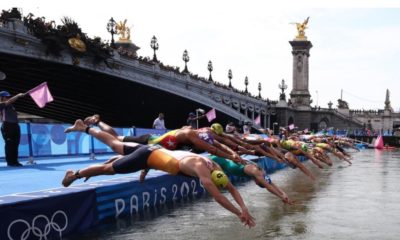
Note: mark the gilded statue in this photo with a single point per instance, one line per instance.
(301, 27)
(123, 31)
(77, 44)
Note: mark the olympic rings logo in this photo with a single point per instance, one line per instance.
(34, 228)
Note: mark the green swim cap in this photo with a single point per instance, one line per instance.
(304, 147)
(217, 128)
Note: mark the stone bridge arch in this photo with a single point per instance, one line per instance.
(323, 123)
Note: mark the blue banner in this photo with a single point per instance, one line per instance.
(50, 139)
(142, 131)
(99, 147)
(134, 197)
(44, 140)
(48, 218)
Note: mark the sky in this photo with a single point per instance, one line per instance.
(355, 42)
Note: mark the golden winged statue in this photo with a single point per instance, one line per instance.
(123, 31)
(301, 27)
(77, 44)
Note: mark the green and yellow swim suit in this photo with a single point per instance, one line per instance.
(229, 166)
(168, 140)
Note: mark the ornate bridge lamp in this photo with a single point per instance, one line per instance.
(154, 46)
(230, 78)
(282, 86)
(330, 104)
(112, 28)
(185, 58)
(259, 90)
(210, 68)
(246, 82)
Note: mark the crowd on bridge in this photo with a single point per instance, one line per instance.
(210, 153)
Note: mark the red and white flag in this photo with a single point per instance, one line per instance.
(41, 95)
(211, 115)
(257, 120)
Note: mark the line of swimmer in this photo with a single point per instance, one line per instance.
(170, 153)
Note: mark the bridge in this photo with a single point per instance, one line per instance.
(87, 76)
(124, 89)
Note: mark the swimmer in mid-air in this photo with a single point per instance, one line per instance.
(198, 139)
(135, 157)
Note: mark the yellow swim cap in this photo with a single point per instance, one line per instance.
(219, 178)
(217, 128)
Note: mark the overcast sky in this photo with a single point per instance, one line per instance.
(355, 42)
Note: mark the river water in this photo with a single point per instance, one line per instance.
(361, 201)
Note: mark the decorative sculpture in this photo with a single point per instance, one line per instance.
(77, 44)
(342, 104)
(123, 31)
(301, 27)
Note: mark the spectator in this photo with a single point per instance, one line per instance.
(193, 120)
(246, 128)
(159, 122)
(10, 127)
(230, 128)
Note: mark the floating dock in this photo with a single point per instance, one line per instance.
(55, 211)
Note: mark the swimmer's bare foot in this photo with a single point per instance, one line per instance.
(143, 174)
(92, 120)
(79, 126)
(69, 178)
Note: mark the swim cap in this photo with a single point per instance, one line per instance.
(304, 147)
(217, 128)
(219, 178)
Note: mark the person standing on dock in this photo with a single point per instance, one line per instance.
(159, 122)
(10, 128)
(193, 120)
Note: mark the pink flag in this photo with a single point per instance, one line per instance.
(41, 95)
(258, 120)
(211, 115)
(291, 126)
(379, 142)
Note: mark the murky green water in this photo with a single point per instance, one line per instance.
(361, 201)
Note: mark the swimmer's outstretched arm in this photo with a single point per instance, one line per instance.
(205, 178)
(259, 177)
(245, 216)
(282, 194)
(312, 158)
(203, 145)
(235, 156)
(272, 188)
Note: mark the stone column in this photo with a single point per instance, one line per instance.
(265, 121)
(300, 95)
